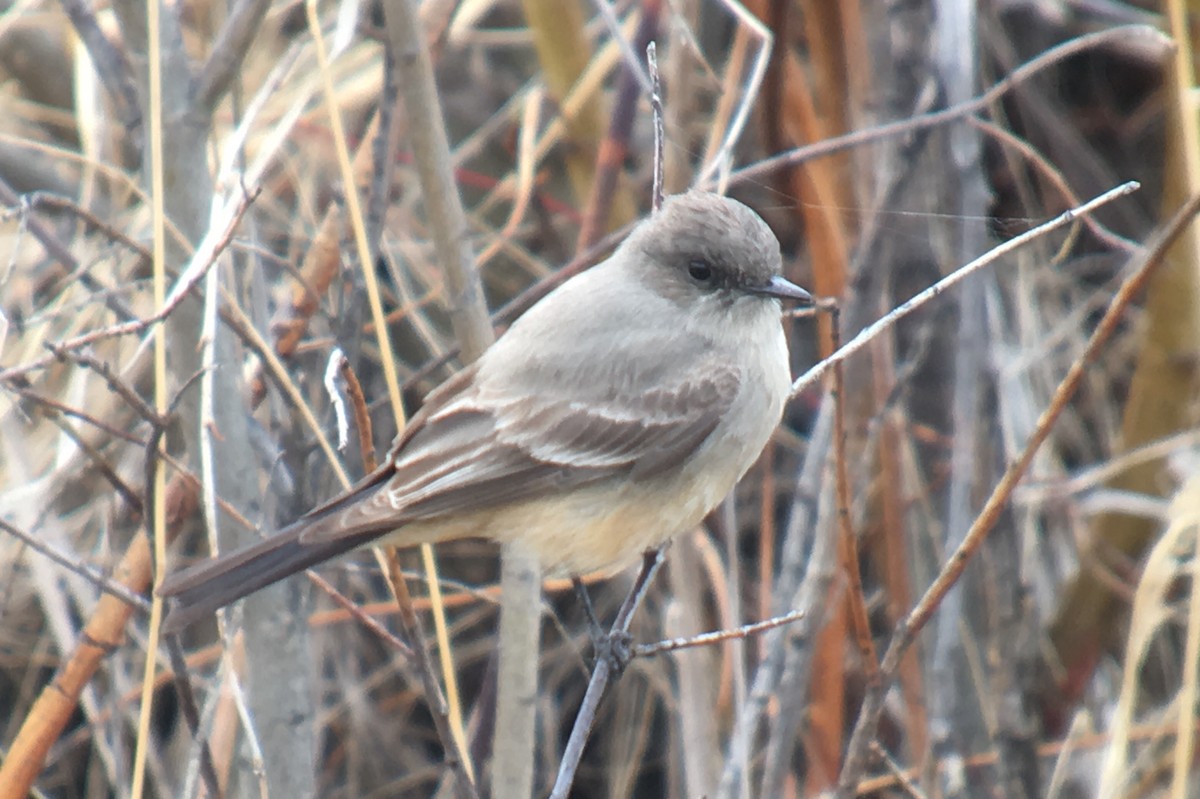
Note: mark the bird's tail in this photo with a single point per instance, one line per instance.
(201, 589)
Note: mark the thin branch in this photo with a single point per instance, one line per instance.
(706, 639)
(902, 780)
(809, 551)
(357, 613)
(57, 249)
(1050, 172)
(919, 616)
(111, 65)
(100, 461)
(227, 54)
(633, 63)
(191, 714)
(715, 171)
(1055, 55)
(49, 201)
(65, 560)
(610, 157)
(656, 105)
(431, 154)
(601, 675)
(848, 540)
(135, 326)
(866, 335)
(468, 317)
(438, 710)
(362, 417)
(114, 383)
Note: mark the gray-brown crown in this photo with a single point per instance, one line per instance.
(702, 227)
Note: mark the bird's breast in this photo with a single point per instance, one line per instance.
(605, 526)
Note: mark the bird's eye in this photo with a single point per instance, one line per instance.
(700, 271)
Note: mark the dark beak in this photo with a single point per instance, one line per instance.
(783, 289)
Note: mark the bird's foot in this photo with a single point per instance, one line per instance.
(613, 648)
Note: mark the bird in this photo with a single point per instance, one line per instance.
(615, 413)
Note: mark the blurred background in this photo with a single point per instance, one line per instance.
(886, 143)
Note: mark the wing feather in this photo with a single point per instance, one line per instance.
(480, 443)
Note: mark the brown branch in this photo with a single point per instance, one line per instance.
(610, 156)
(60, 252)
(227, 54)
(134, 326)
(919, 616)
(438, 709)
(362, 417)
(1055, 55)
(847, 540)
(103, 632)
(111, 65)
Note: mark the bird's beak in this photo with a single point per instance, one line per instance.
(783, 289)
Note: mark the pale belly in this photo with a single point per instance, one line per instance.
(603, 527)
(604, 530)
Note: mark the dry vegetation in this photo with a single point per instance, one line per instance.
(1063, 663)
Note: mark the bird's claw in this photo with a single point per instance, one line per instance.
(614, 648)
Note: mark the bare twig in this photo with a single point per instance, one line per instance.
(411, 625)
(362, 417)
(48, 201)
(918, 617)
(633, 62)
(867, 334)
(784, 663)
(902, 779)
(111, 65)
(57, 249)
(1051, 173)
(962, 178)
(468, 313)
(656, 104)
(707, 639)
(70, 564)
(1055, 55)
(227, 54)
(356, 612)
(431, 154)
(102, 633)
(717, 167)
(191, 715)
(135, 326)
(848, 541)
(601, 674)
(115, 383)
(610, 158)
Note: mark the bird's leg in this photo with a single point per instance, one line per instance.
(581, 591)
(615, 646)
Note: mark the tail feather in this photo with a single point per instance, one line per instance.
(201, 589)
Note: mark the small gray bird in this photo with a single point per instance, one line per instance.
(615, 413)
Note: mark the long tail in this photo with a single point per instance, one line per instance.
(203, 588)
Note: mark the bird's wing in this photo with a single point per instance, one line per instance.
(477, 444)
